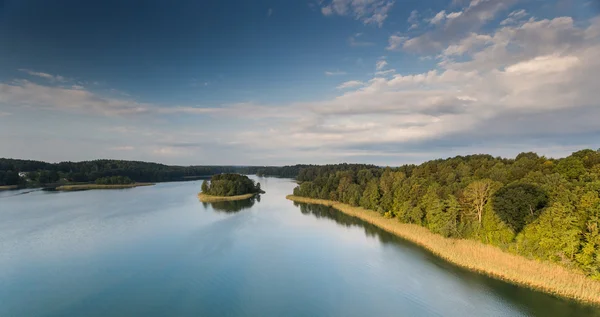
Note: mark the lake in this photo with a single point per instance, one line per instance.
(158, 251)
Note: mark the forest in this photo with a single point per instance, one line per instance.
(230, 185)
(39, 173)
(538, 207)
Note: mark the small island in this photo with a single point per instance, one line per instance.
(113, 182)
(228, 187)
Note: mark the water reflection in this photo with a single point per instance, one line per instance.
(529, 302)
(233, 206)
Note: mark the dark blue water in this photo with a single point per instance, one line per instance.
(157, 251)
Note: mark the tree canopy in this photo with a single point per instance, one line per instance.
(230, 185)
(535, 206)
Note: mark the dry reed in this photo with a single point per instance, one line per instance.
(211, 199)
(476, 256)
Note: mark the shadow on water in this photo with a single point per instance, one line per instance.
(530, 302)
(233, 206)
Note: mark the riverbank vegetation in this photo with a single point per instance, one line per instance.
(537, 207)
(205, 198)
(27, 173)
(227, 187)
(100, 186)
(484, 258)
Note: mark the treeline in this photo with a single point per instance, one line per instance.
(89, 171)
(230, 185)
(541, 208)
(290, 171)
(39, 172)
(114, 180)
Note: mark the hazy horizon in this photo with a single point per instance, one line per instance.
(305, 82)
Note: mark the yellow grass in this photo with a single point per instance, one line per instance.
(7, 187)
(98, 186)
(544, 276)
(211, 199)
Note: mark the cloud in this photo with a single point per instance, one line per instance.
(521, 82)
(350, 84)
(28, 94)
(450, 27)
(5, 114)
(354, 41)
(438, 18)
(385, 72)
(514, 17)
(334, 73)
(521, 86)
(413, 20)
(395, 42)
(122, 148)
(187, 110)
(381, 64)
(52, 78)
(367, 11)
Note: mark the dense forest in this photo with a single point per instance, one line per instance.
(89, 171)
(541, 208)
(39, 173)
(230, 185)
(290, 171)
(114, 180)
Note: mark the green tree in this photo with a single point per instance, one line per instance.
(519, 204)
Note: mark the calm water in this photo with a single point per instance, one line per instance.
(157, 251)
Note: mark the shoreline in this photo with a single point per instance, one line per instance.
(99, 186)
(9, 187)
(482, 258)
(211, 199)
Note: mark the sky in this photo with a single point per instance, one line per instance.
(298, 81)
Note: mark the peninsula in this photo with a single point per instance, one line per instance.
(531, 220)
(228, 187)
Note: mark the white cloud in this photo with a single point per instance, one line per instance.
(438, 18)
(413, 19)
(122, 148)
(354, 41)
(350, 84)
(451, 27)
(52, 78)
(546, 87)
(385, 72)
(468, 44)
(368, 11)
(27, 94)
(334, 73)
(381, 64)
(395, 42)
(526, 85)
(514, 17)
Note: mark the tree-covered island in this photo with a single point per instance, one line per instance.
(223, 187)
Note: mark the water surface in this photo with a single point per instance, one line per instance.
(158, 251)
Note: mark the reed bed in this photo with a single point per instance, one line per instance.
(212, 199)
(98, 186)
(476, 256)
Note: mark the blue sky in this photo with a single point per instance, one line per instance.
(283, 82)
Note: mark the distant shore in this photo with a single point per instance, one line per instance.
(482, 258)
(211, 199)
(98, 186)
(9, 187)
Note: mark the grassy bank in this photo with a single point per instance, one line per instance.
(9, 187)
(211, 199)
(482, 258)
(97, 186)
